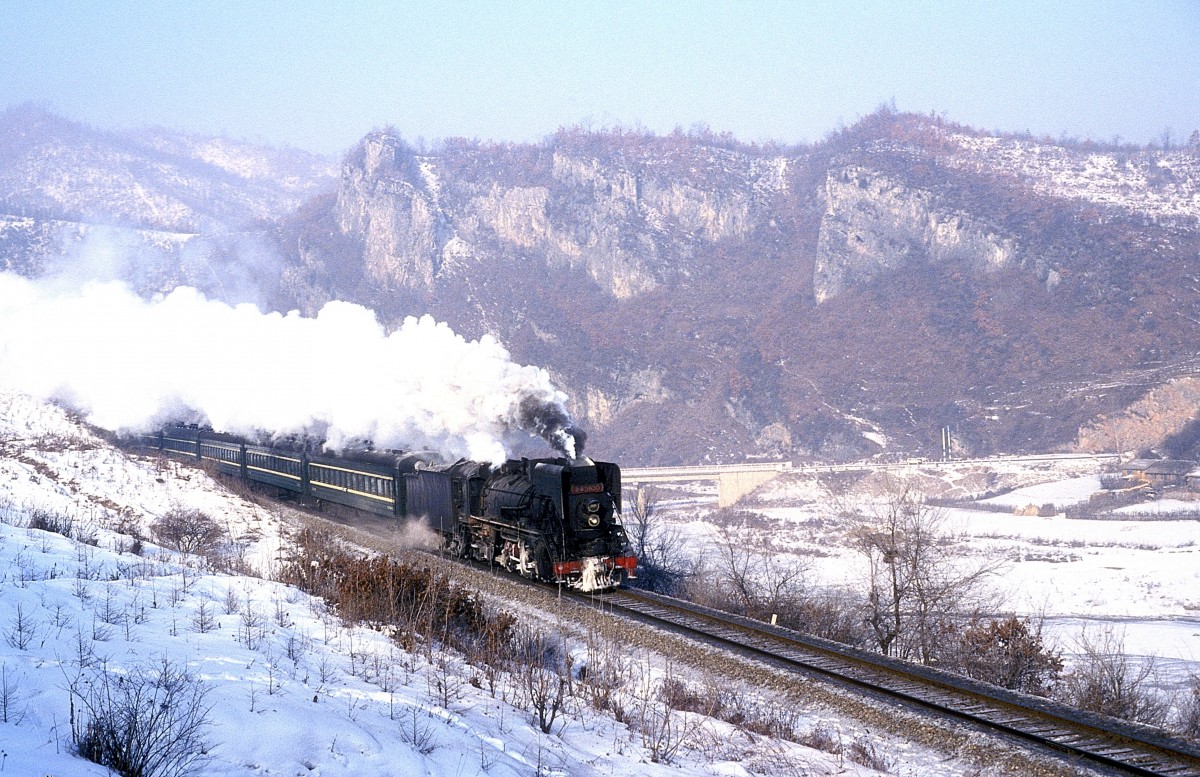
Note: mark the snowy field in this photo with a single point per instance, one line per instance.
(289, 688)
(1140, 578)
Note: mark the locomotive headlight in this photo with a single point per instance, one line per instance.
(592, 506)
(593, 520)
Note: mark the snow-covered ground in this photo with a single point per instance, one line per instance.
(1139, 577)
(291, 690)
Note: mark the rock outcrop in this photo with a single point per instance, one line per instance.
(874, 224)
(629, 224)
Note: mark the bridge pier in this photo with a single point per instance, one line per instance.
(732, 486)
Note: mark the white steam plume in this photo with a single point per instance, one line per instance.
(129, 364)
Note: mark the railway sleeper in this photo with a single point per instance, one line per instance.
(1110, 752)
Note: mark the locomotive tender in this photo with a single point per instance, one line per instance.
(556, 520)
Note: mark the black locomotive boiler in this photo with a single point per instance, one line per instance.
(556, 520)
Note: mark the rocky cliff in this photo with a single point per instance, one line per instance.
(874, 224)
(707, 299)
(630, 223)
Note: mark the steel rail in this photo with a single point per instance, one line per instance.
(1098, 741)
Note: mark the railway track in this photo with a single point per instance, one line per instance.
(1078, 737)
(1081, 738)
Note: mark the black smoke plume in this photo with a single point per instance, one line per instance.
(551, 422)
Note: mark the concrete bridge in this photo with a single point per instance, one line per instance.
(734, 481)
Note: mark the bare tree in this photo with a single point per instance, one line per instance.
(23, 630)
(916, 587)
(187, 530)
(662, 563)
(753, 580)
(10, 696)
(640, 507)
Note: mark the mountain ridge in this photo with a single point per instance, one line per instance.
(706, 300)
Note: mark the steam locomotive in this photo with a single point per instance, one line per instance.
(556, 520)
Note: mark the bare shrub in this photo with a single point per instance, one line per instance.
(1107, 680)
(48, 520)
(132, 540)
(415, 601)
(543, 672)
(1008, 652)
(731, 518)
(716, 697)
(546, 690)
(822, 737)
(188, 531)
(663, 566)
(8, 511)
(1188, 717)
(831, 613)
(601, 674)
(417, 729)
(150, 722)
(682, 696)
(865, 753)
(664, 729)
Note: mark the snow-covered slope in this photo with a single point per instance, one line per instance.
(288, 687)
(1160, 184)
(156, 179)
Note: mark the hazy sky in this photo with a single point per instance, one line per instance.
(319, 75)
